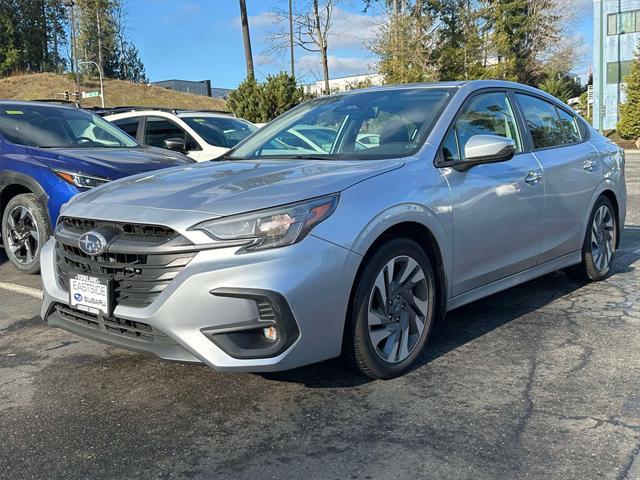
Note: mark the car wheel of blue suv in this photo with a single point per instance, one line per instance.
(25, 229)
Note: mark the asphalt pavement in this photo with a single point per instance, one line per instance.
(538, 382)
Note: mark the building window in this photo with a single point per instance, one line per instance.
(624, 22)
(612, 71)
(612, 24)
(627, 22)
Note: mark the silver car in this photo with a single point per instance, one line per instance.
(277, 256)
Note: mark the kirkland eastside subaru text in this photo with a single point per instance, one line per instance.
(278, 256)
(50, 153)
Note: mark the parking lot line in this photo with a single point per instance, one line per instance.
(12, 287)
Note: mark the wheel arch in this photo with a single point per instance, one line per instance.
(616, 207)
(428, 242)
(606, 189)
(15, 183)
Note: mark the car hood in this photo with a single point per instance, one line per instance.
(228, 187)
(111, 163)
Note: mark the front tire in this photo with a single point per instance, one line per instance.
(392, 310)
(599, 244)
(25, 229)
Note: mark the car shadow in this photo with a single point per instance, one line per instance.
(471, 321)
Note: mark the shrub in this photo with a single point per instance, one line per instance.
(263, 102)
(629, 124)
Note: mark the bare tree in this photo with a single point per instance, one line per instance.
(247, 38)
(311, 27)
(404, 43)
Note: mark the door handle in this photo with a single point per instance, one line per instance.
(533, 178)
(589, 165)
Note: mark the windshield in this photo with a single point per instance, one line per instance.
(362, 125)
(220, 131)
(59, 127)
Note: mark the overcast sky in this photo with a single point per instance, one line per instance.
(201, 39)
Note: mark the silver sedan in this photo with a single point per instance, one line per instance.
(277, 255)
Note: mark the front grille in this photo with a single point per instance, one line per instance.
(138, 277)
(82, 225)
(114, 326)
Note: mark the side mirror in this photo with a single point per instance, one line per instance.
(488, 149)
(176, 144)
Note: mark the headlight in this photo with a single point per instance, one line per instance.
(274, 227)
(80, 180)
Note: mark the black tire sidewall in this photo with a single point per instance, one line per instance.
(37, 211)
(366, 359)
(590, 269)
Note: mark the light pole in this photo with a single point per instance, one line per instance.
(100, 74)
(293, 72)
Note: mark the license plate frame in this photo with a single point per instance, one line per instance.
(91, 293)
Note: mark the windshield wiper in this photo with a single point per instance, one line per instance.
(306, 157)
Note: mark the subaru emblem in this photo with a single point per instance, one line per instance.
(93, 243)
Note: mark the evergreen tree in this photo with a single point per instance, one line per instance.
(9, 50)
(403, 51)
(424, 40)
(263, 102)
(458, 41)
(629, 125)
(96, 35)
(102, 39)
(31, 35)
(280, 93)
(521, 33)
(561, 86)
(244, 101)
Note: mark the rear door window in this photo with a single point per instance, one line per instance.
(548, 125)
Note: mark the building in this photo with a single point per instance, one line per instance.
(616, 35)
(187, 86)
(342, 84)
(202, 87)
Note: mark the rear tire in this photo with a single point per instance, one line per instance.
(600, 240)
(392, 310)
(25, 229)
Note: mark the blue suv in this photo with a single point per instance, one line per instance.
(48, 154)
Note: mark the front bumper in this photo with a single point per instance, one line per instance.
(312, 278)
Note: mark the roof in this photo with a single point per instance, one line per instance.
(129, 109)
(470, 84)
(42, 104)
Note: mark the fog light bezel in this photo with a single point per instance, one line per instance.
(242, 340)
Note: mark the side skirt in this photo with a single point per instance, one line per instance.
(515, 279)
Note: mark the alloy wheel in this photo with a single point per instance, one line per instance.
(22, 235)
(602, 238)
(398, 306)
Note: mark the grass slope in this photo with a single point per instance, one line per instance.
(116, 92)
